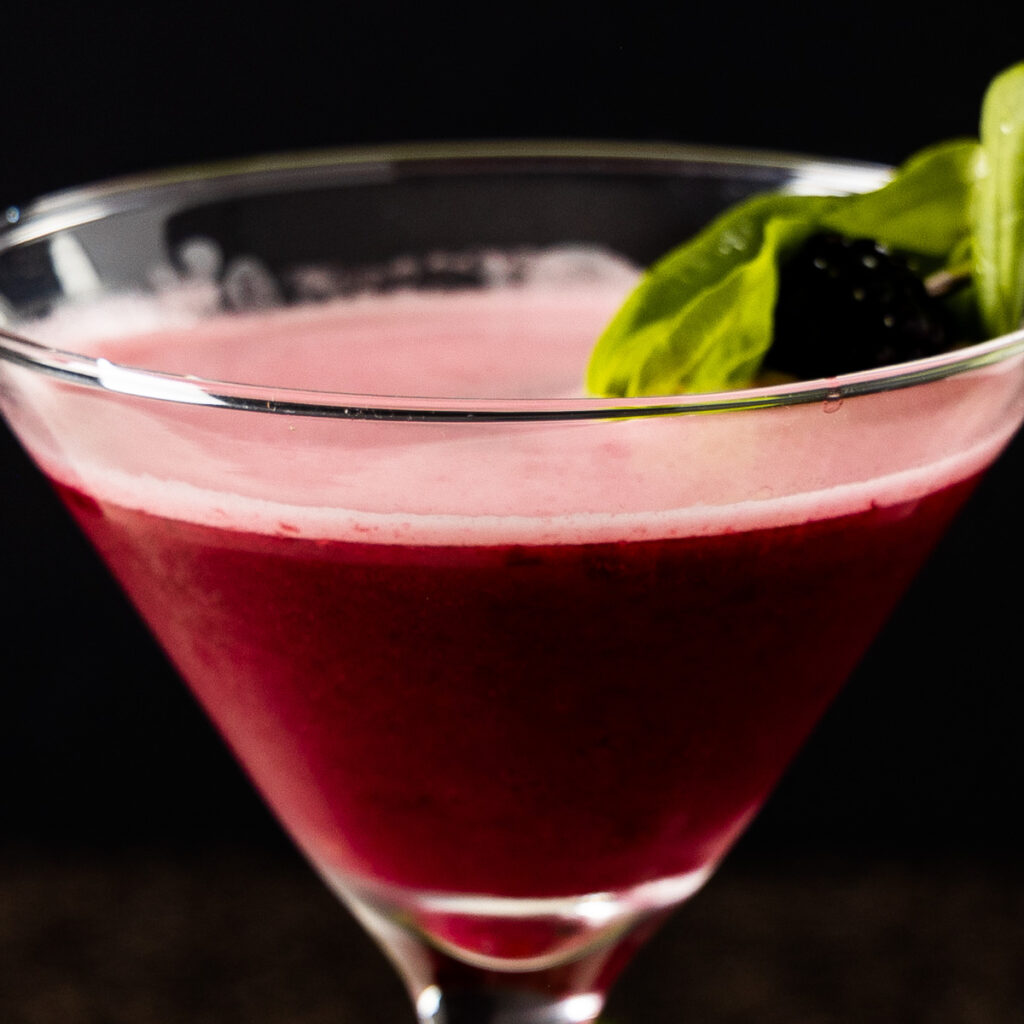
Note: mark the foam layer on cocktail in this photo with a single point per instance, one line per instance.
(437, 483)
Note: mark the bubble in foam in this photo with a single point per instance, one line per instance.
(579, 265)
(200, 258)
(71, 324)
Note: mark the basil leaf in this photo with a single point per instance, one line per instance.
(701, 318)
(924, 210)
(692, 316)
(999, 205)
(672, 336)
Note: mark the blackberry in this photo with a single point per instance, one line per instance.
(849, 304)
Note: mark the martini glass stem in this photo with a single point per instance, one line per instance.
(447, 989)
(465, 995)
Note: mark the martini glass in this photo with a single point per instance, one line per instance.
(514, 666)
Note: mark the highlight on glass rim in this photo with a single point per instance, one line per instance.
(514, 574)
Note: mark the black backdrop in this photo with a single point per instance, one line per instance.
(99, 744)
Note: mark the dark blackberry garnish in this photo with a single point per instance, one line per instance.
(849, 304)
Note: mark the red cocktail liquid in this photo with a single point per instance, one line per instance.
(520, 721)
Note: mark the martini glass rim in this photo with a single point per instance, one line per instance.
(75, 207)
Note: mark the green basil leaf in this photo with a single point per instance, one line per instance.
(924, 210)
(999, 205)
(701, 318)
(714, 340)
(668, 330)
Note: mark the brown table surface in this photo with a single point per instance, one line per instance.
(227, 935)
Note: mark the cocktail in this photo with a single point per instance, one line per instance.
(514, 665)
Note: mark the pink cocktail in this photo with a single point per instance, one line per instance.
(514, 666)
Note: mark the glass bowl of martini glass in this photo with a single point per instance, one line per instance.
(513, 665)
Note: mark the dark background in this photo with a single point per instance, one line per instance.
(99, 744)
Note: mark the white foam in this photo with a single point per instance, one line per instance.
(222, 509)
(435, 483)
